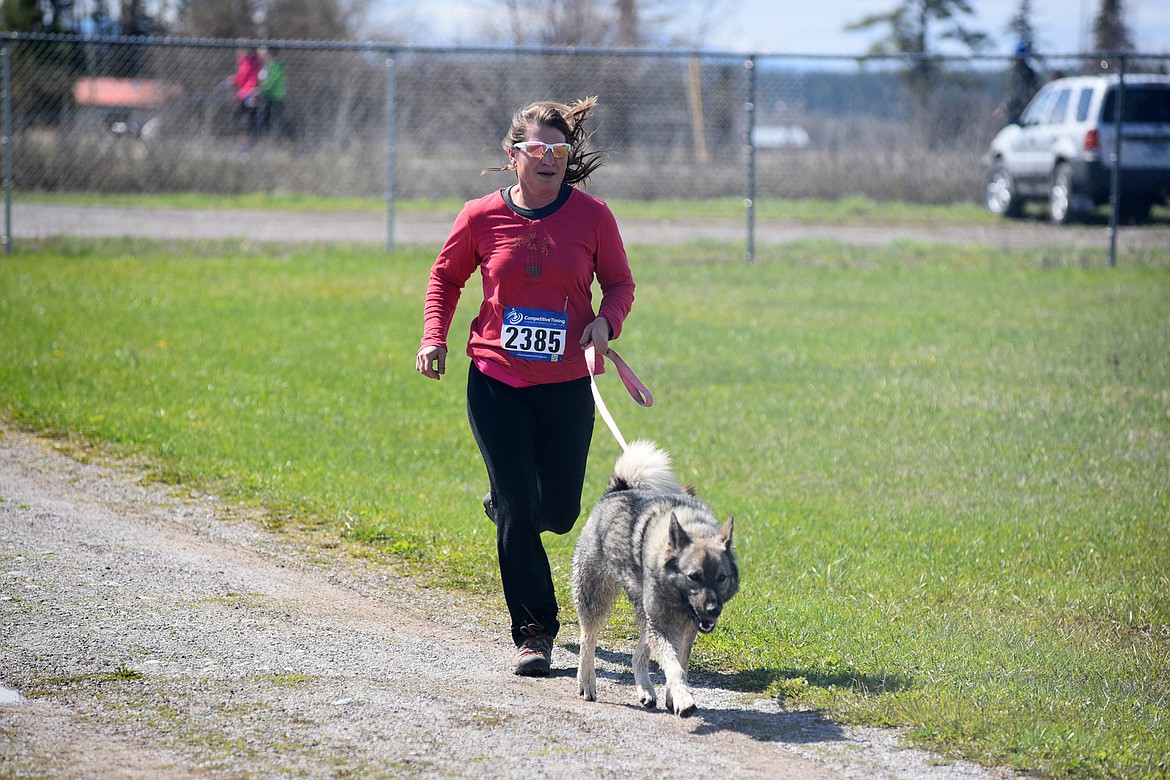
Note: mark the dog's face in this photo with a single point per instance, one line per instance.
(703, 571)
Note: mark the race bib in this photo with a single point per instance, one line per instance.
(534, 334)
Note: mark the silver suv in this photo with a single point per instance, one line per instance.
(1062, 150)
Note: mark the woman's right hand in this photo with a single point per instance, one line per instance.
(431, 361)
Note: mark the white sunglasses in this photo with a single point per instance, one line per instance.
(538, 149)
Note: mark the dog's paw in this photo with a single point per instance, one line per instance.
(647, 698)
(683, 703)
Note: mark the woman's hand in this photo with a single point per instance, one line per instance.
(597, 333)
(431, 362)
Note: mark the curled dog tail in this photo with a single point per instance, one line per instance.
(643, 467)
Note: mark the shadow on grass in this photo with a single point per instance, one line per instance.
(788, 726)
(769, 680)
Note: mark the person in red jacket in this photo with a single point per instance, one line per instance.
(246, 81)
(538, 245)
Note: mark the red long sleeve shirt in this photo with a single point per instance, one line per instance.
(544, 260)
(247, 76)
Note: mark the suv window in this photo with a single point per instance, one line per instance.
(1083, 104)
(1144, 104)
(1061, 108)
(1038, 109)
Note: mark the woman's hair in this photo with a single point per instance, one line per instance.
(570, 121)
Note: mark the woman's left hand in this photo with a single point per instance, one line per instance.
(597, 333)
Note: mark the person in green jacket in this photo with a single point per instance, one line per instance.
(273, 91)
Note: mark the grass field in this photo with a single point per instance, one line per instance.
(949, 466)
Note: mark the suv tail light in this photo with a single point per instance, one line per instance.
(1092, 141)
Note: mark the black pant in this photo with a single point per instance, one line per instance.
(271, 118)
(535, 443)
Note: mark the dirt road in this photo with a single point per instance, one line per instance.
(143, 635)
(39, 221)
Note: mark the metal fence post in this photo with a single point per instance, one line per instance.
(1115, 174)
(750, 197)
(390, 78)
(6, 142)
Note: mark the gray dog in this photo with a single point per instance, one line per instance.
(650, 536)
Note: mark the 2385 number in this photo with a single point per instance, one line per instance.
(527, 339)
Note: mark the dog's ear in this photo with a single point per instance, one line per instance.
(724, 535)
(678, 537)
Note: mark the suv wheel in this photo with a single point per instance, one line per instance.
(999, 193)
(1060, 200)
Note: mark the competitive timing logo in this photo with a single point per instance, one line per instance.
(514, 317)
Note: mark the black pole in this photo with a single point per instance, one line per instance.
(1115, 179)
(391, 77)
(750, 197)
(6, 142)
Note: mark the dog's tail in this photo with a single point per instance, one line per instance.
(643, 467)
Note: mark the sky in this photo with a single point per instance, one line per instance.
(788, 27)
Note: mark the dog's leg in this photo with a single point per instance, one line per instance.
(640, 661)
(641, 665)
(593, 597)
(673, 654)
(586, 666)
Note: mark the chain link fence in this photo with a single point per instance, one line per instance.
(116, 115)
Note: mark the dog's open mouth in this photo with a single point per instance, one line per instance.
(705, 623)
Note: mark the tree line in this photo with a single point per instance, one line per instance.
(915, 27)
(275, 19)
(912, 29)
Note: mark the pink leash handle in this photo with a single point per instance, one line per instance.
(638, 391)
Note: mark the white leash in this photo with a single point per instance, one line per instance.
(638, 391)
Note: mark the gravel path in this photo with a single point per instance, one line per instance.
(144, 635)
(40, 221)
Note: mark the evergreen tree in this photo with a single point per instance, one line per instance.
(915, 27)
(36, 15)
(1021, 28)
(220, 18)
(326, 20)
(20, 15)
(1110, 34)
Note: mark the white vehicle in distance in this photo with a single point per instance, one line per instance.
(1062, 151)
